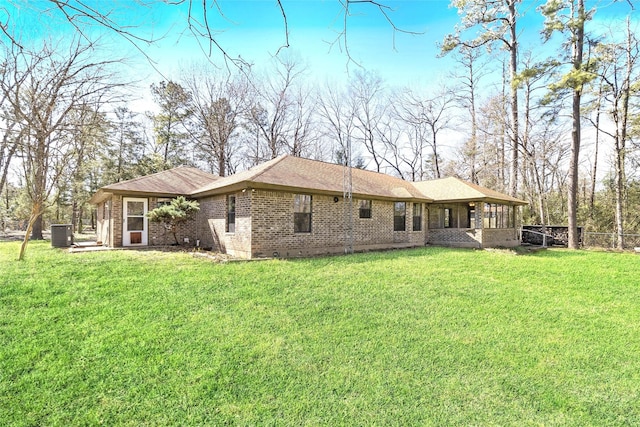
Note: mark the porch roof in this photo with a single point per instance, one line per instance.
(453, 189)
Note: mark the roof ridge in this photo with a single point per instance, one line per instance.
(274, 161)
(250, 174)
(442, 179)
(382, 175)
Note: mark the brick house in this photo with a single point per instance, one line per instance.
(290, 206)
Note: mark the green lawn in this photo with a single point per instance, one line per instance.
(418, 337)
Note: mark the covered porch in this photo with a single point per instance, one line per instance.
(467, 215)
(473, 225)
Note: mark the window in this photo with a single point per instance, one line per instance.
(435, 222)
(135, 215)
(471, 214)
(365, 209)
(302, 213)
(505, 216)
(231, 214)
(448, 218)
(399, 215)
(489, 216)
(498, 216)
(417, 216)
(454, 216)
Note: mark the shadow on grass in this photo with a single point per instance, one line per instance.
(370, 256)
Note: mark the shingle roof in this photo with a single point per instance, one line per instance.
(456, 190)
(177, 181)
(296, 173)
(304, 175)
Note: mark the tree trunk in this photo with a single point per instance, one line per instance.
(5, 166)
(36, 227)
(572, 197)
(36, 212)
(594, 169)
(74, 214)
(222, 163)
(436, 162)
(474, 140)
(621, 114)
(619, 190)
(80, 228)
(513, 181)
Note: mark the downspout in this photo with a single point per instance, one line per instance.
(197, 228)
(107, 241)
(480, 217)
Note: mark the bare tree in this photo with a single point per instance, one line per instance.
(404, 137)
(47, 88)
(218, 104)
(594, 113)
(337, 116)
(276, 107)
(366, 92)
(432, 113)
(467, 96)
(492, 122)
(498, 19)
(393, 138)
(9, 141)
(303, 130)
(619, 71)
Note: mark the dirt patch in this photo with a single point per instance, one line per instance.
(18, 235)
(214, 256)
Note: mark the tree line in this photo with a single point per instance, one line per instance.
(504, 118)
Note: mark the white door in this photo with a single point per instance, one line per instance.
(134, 223)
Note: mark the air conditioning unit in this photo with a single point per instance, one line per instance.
(61, 235)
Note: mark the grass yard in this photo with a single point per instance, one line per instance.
(431, 336)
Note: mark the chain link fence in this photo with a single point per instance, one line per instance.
(558, 236)
(609, 240)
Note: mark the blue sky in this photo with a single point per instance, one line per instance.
(254, 29)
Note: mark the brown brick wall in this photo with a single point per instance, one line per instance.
(264, 227)
(456, 237)
(212, 225)
(273, 233)
(116, 222)
(158, 235)
(505, 237)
